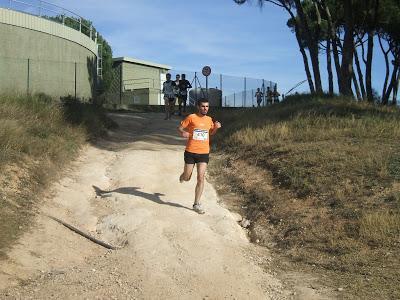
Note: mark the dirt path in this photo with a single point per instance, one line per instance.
(125, 191)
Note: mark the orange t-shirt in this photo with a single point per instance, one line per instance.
(199, 133)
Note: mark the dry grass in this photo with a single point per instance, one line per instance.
(37, 137)
(334, 167)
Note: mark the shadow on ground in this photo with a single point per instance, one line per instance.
(135, 192)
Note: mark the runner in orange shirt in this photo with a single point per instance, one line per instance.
(197, 128)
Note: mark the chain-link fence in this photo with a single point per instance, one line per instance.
(55, 78)
(221, 90)
(225, 90)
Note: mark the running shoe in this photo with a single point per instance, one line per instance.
(197, 208)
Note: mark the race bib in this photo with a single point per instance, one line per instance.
(200, 135)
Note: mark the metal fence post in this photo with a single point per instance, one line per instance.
(120, 84)
(245, 93)
(195, 88)
(225, 101)
(220, 86)
(28, 76)
(75, 82)
(234, 99)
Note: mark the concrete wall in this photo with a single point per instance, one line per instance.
(43, 56)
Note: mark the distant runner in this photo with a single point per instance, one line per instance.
(176, 87)
(259, 96)
(169, 96)
(184, 85)
(197, 128)
(269, 96)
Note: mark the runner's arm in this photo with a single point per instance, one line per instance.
(217, 125)
(182, 131)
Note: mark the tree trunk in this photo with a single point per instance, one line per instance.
(356, 87)
(312, 47)
(302, 51)
(392, 86)
(370, 51)
(368, 66)
(385, 99)
(329, 66)
(306, 65)
(360, 75)
(348, 50)
(333, 36)
(396, 88)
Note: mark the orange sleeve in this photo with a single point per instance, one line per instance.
(185, 123)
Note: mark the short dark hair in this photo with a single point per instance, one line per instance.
(201, 100)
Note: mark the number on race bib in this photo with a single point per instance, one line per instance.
(200, 135)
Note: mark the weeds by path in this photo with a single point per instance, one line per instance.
(334, 169)
(37, 137)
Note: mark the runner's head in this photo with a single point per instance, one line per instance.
(202, 105)
(177, 76)
(168, 76)
(183, 76)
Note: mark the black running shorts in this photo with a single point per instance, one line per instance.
(183, 97)
(194, 158)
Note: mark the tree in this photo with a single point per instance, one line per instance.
(108, 74)
(87, 28)
(356, 24)
(300, 24)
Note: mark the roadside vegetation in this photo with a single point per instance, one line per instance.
(320, 180)
(38, 136)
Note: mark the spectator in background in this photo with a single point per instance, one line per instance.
(276, 94)
(259, 96)
(269, 96)
(184, 85)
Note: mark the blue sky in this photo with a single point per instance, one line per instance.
(188, 34)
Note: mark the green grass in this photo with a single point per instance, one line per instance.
(334, 165)
(38, 136)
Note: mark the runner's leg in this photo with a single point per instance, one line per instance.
(184, 103)
(201, 171)
(171, 107)
(166, 103)
(180, 105)
(187, 172)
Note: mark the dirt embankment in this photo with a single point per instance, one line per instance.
(125, 191)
